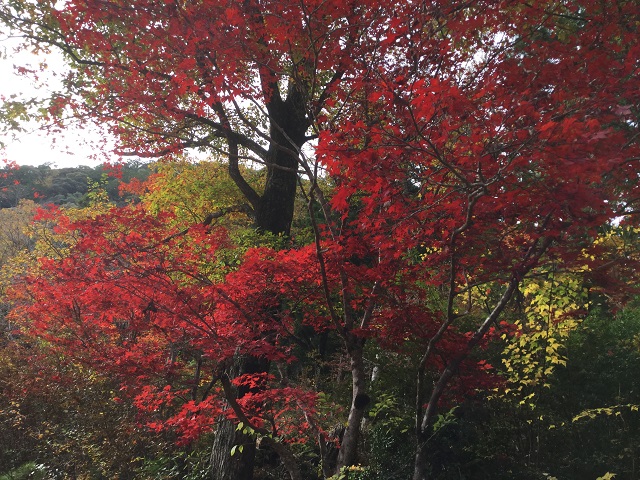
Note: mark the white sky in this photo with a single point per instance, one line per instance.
(34, 147)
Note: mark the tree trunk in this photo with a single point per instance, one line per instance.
(224, 466)
(239, 466)
(287, 133)
(274, 214)
(348, 453)
(421, 465)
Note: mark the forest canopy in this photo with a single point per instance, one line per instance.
(45, 184)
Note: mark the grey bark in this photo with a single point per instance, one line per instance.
(349, 445)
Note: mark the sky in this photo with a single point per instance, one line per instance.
(35, 147)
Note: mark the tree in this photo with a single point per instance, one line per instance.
(150, 307)
(470, 143)
(492, 163)
(56, 415)
(220, 87)
(230, 83)
(63, 186)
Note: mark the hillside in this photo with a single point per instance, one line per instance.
(62, 186)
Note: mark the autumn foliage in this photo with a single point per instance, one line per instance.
(439, 155)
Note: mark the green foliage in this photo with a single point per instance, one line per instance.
(175, 464)
(15, 112)
(586, 422)
(445, 419)
(30, 470)
(390, 451)
(65, 186)
(389, 440)
(354, 472)
(384, 414)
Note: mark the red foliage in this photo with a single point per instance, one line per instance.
(151, 306)
(469, 143)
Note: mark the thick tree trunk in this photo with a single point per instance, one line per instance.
(274, 214)
(224, 466)
(227, 467)
(287, 133)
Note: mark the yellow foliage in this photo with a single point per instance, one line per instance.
(551, 311)
(194, 190)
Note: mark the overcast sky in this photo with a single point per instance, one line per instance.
(34, 147)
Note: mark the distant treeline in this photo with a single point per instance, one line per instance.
(63, 186)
